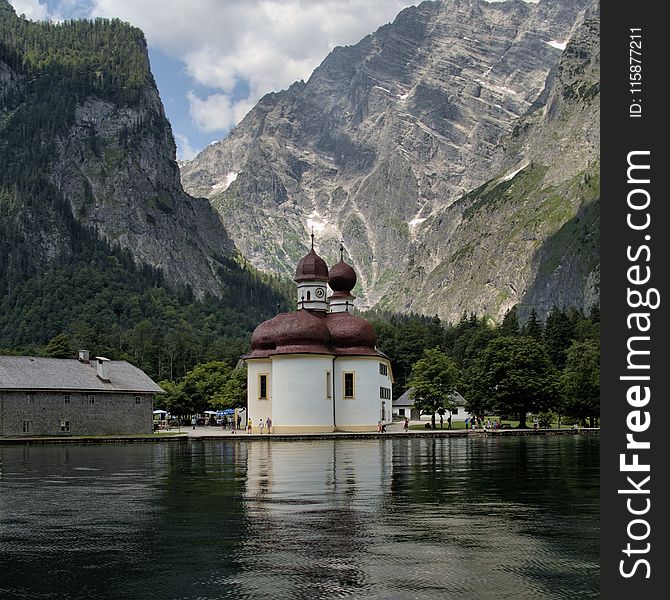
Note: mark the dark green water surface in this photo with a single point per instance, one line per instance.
(470, 517)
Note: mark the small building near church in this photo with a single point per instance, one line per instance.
(317, 369)
(403, 406)
(55, 396)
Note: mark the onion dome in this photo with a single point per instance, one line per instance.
(302, 331)
(350, 334)
(263, 338)
(342, 278)
(311, 268)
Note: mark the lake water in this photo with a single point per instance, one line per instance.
(469, 517)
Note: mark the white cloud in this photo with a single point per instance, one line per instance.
(268, 44)
(184, 149)
(32, 9)
(216, 112)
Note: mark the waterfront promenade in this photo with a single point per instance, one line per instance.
(187, 433)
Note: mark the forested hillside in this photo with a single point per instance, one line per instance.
(98, 242)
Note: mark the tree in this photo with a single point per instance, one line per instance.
(203, 383)
(174, 400)
(533, 327)
(434, 379)
(234, 392)
(559, 332)
(580, 381)
(510, 323)
(59, 347)
(512, 376)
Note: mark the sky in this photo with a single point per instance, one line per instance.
(214, 59)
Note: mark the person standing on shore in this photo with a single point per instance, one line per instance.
(239, 421)
(249, 425)
(193, 422)
(449, 421)
(268, 424)
(406, 427)
(260, 426)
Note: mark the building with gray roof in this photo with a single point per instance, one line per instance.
(84, 396)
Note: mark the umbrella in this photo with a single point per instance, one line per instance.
(210, 412)
(156, 412)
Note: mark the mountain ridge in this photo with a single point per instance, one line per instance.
(384, 136)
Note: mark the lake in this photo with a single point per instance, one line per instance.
(466, 517)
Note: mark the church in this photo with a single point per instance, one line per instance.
(317, 370)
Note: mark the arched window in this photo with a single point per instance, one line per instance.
(309, 295)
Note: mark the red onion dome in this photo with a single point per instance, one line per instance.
(342, 277)
(348, 331)
(311, 268)
(263, 337)
(303, 331)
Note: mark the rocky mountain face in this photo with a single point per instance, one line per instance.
(530, 235)
(85, 144)
(405, 147)
(127, 188)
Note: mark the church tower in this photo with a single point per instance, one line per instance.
(312, 277)
(342, 281)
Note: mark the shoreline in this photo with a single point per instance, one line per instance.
(153, 438)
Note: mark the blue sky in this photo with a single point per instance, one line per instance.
(214, 59)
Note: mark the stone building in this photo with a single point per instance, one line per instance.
(54, 396)
(317, 369)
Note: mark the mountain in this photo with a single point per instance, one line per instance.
(105, 147)
(96, 232)
(386, 143)
(530, 235)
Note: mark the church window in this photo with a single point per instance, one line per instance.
(349, 385)
(328, 385)
(65, 426)
(263, 386)
(26, 427)
(383, 369)
(309, 295)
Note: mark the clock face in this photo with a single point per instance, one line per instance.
(319, 292)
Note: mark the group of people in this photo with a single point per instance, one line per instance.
(225, 422)
(478, 423)
(267, 424)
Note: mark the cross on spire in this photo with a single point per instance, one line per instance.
(312, 238)
(342, 250)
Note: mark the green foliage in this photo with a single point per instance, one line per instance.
(512, 376)
(59, 347)
(559, 331)
(469, 338)
(533, 327)
(510, 323)
(580, 381)
(208, 386)
(204, 383)
(234, 392)
(434, 379)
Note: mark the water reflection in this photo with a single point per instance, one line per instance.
(391, 518)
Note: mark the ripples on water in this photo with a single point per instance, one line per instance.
(473, 518)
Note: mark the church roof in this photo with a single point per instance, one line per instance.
(305, 332)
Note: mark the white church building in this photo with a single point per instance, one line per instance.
(317, 369)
